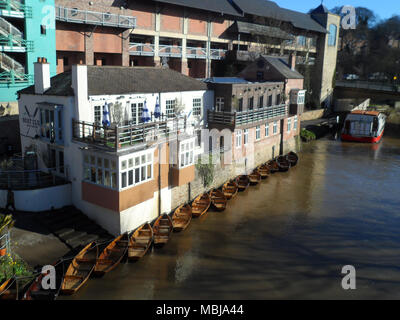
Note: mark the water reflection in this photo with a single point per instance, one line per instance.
(286, 238)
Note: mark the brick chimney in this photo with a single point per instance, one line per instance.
(292, 61)
(42, 75)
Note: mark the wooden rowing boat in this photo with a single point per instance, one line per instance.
(264, 171)
(283, 163)
(293, 158)
(182, 217)
(8, 290)
(273, 166)
(80, 269)
(218, 199)
(254, 177)
(112, 255)
(242, 182)
(200, 205)
(162, 229)
(140, 242)
(230, 189)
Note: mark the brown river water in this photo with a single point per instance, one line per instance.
(287, 238)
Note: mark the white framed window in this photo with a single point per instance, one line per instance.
(238, 138)
(170, 108)
(295, 123)
(136, 112)
(219, 103)
(301, 97)
(100, 170)
(267, 129)
(245, 136)
(258, 133)
(137, 169)
(51, 124)
(186, 153)
(275, 128)
(289, 124)
(98, 114)
(197, 106)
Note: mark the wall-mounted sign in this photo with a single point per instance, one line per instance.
(31, 122)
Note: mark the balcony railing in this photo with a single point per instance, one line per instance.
(97, 18)
(237, 119)
(11, 77)
(147, 49)
(120, 137)
(15, 44)
(15, 8)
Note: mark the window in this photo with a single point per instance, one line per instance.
(186, 154)
(295, 123)
(301, 97)
(245, 136)
(261, 102)
(275, 128)
(289, 125)
(136, 112)
(198, 138)
(270, 100)
(43, 29)
(251, 103)
(240, 106)
(98, 114)
(170, 108)
(332, 35)
(238, 138)
(219, 104)
(301, 40)
(197, 107)
(137, 169)
(101, 171)
(258, 133)
(278, 99)
(51, 125)
(267, 129)
(65, 61)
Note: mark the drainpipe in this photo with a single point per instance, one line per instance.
(282, 130)
(159, 180)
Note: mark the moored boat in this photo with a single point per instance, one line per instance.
(218, 199)
(273, 166)
(80, 269)
(230, 189)
(283, 163)
(254, 177)
(162, 229)
(182, 217)
(364, 126)
(8, 290)
(242, 182)
(264, 171)
(201, 204)
(293, 158)
(140, 241)
(112, 255)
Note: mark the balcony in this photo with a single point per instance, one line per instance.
(14, 9)
(220, 119)
(170, 51)
(116, 138)
(73, 15)
(10, 43)
(141, 49)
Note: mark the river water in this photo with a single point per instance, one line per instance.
(287, 238)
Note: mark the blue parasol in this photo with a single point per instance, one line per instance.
(106, 116)
(157, 109)
(145, 113)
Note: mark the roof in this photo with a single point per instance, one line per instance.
(228, 80)
(251, 28)
(281, 66)
(220, 6)
(320, 9)
(111, 80)
(302, 21)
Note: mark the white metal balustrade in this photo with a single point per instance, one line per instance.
(141, 49)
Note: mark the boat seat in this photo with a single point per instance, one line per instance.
(85, 260)
(73, 277)
(104, 261)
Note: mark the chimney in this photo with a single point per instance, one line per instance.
(292, 61)
(42, 75)
(80, 87)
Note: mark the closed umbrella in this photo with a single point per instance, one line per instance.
(145, 113)
(157, 109)
(106, 116)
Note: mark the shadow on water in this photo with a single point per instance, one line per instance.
(286, 238)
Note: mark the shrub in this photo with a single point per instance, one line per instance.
(307, 135)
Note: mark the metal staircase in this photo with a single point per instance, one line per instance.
(11, 70)
(15, 8)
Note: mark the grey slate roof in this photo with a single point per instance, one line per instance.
(320, 9)
(251, 28)
(220, 6)
(302, 21)
(110, 80)
(282, 67)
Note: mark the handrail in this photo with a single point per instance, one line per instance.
(368, 85)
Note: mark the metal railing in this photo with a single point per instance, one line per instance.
(369, 85)
(74, 15)
(218, 54)
(169, 51)
(31, 179)
(196, 52)
(236, 119)
(11, 44)
(141, 49)
(5, 243)
(119, 137)
(8, 64)
(11, 6)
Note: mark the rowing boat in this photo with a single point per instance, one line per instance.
(162, 229)
(182, 217)
(254, 177)
(230, 189)
(112, 255)
(293, 158)
(8, 290)
(242, 182)
(283, 163)
(273, 166)
(264, 171)
(80, 269)
(140, 242)
(218, 199)
(200, 205)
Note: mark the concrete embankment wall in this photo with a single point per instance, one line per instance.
(39, 199)
(312, 115)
